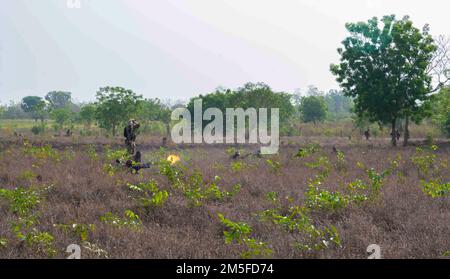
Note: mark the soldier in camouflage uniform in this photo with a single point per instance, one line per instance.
(130, 135)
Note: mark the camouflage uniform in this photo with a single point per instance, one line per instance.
(130, 135)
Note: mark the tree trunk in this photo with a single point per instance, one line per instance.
(167, 130)
(406, 131)
(393, 133)
(114, 130)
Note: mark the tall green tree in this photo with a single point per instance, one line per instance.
(34, 105)
(87, 115)
(61, 116)
(441, 110)
(313, 109)
(155, 110)
(250, 95)
(115, 106)
(58, 99)
(384, 67)
(338, 105)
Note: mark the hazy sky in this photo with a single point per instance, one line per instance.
(177, 49)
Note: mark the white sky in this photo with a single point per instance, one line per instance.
(178, 49)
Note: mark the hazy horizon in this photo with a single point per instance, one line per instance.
(178, 49)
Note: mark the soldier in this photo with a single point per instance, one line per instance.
(397, 134)
(367, 134)
(68, 133)
(130, 135)
(236, 155)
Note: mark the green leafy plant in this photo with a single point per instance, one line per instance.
(80, 230)
(435, 188)
(240, 233)
(274, 165)
(297, 221)
(196, 190)
(92, 153)
(149, 195)
(130, 219)
(237, 166)
(21, 201)
(41, 153)
(308, 150)
(322, 199)
(322, 164)
(118, 154)
(3, 242)
(424, 160)
(377, 181)
(42, 241)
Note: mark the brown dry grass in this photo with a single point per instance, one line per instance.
(405, 222)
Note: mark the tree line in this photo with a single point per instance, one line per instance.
(390, 73)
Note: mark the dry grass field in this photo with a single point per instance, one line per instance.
(318, 204)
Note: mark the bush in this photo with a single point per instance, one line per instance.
(36, 130)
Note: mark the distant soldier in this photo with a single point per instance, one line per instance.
(164, 142)
(259, 154)
(335, 149)
(130, 135)
(396, 135)
(367, 134)
(68, 133)
(236, 155)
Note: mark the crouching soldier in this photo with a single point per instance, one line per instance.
(135, 164)
(130, 135)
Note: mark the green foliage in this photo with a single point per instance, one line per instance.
(322, 199)
(92, 153)
(425, 161)
(339, 106)
(196, 190)
(79, 230)
(308, 150)
(313, 109)
(117, 154)
(322, 164)
(356, 190)
(41, 153)
(3, 242)
(87, 114)
(21, 201)
(149, 195)
(174, 173)
(240, 233)
(441, 110)
(377, 181)
(61, 116)
(41, 241)
(37, 130)
(116, 105)
(298, 221)
(274, 165)
(341, 164)
(272, 197)
(237, 166)
(129, 220)
(435, 188)
(251, 95)
(384, 67)
(34, 105)
(58, 99)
